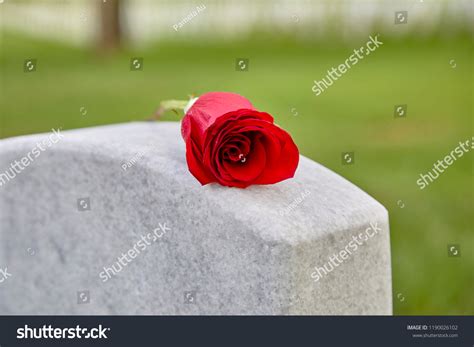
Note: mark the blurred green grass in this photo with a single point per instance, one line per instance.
(354, 114)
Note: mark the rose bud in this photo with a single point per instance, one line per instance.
(229, 142)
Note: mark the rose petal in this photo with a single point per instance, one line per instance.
(211, 106)
(285, 165)
(195, 165)
(252, 167)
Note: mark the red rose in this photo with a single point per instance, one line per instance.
(228, 141)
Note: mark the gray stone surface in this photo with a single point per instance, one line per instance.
(227, 250)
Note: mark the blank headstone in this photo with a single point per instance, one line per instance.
(88, 199)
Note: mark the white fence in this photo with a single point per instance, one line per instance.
(145, 21)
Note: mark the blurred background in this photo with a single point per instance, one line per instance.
(81, 63)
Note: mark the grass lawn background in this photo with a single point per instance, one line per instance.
(354, 114)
